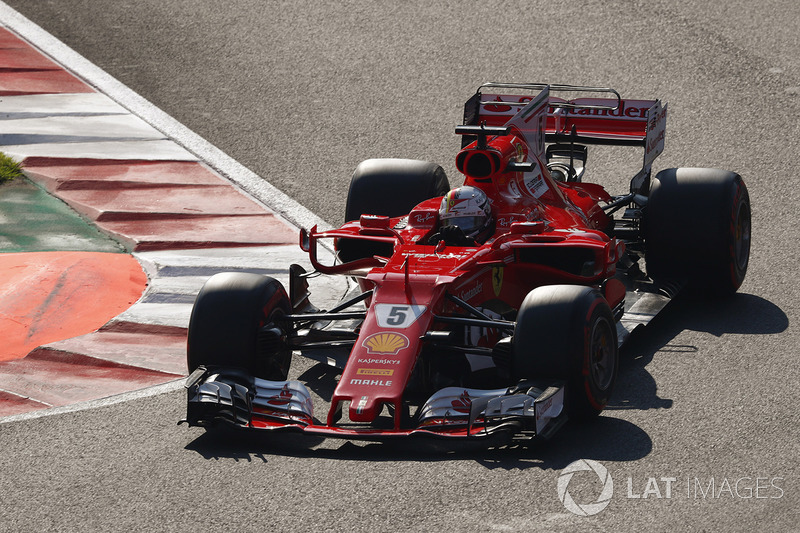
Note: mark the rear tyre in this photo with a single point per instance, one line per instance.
(567, 332)
(388, 187)
(697, 228)
(235, 322)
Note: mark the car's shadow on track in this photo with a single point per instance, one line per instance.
(741, 314)
(605, 439)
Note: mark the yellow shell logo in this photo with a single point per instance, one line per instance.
(385, 343)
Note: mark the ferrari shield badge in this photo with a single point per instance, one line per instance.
(497, 280)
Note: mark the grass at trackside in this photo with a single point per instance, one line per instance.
(32, 220)
(9, 169)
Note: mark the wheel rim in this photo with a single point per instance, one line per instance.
(741, 243)
(602, 362)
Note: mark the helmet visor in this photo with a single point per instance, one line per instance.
(471, 226)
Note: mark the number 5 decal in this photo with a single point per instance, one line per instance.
(397, 315)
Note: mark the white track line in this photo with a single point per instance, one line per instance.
(155, 390)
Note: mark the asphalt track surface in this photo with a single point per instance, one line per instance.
(300, 93)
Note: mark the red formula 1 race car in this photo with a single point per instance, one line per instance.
(495, 308)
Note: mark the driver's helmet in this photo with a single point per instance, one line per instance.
(468, 209)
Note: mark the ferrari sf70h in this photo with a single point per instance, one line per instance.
(494, 308)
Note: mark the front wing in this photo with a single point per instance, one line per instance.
(232, 397)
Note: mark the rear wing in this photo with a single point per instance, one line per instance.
(599, 116)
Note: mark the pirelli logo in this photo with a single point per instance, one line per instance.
(374, 371)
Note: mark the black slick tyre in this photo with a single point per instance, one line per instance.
(388, 187)
(567, 332)
(697, 228)
(235, 322)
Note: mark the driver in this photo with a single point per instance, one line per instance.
(465, 216)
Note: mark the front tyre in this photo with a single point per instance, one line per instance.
(388, 187)
(235, 322)
(568, 332)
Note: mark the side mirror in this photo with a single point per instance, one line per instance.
(305, 239)
(375, 222)
(527, 228)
